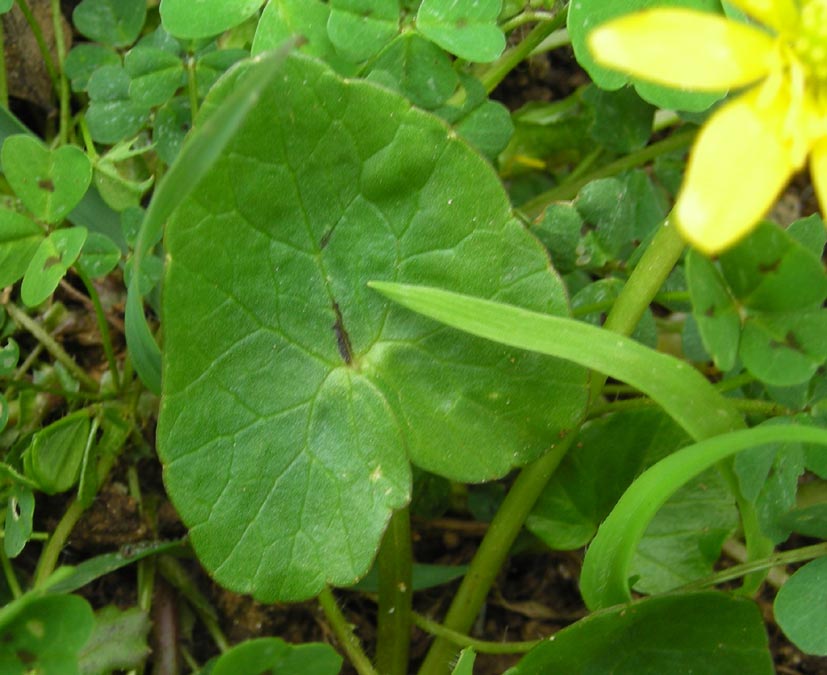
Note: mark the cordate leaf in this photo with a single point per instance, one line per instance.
(358, 29)
(49, 182)
(294, 396)
(112, 22)
(205, 18)
(466, 29)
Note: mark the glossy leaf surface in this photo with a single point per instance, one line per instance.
(707, 633)
(293, 430)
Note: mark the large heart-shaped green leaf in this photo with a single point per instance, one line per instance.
(295, 397)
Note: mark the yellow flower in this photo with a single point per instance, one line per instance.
(749, 148)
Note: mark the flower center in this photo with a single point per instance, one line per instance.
(811, 42)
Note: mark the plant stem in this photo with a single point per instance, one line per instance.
(51, 345)
(4, 85)
(481, 646)
(749, 406)
(344, 632)
(103, 326)
(175, 574)
(496, 72)
(63, 88)
(51, 551)
(569, 189)
(8, 573)
(492, 553)
(784, 558)
(192, 89)
(524, 17)
(643, 284)
(394, 615)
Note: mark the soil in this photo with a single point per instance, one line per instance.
(535, 595)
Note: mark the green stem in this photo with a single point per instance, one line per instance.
(4, 85)
(568, 190)
(492, 553)
(41, 44)
(8, 573)
(51, 551)
(51, 345)
(63, 82)
(481, 646)
(103, 326)
(394, 564)
(192, 88)
(344, 632)
(527, 16)
(654, 267)
(735, 382)
(748, 406)
(496, 72)
(175, 574)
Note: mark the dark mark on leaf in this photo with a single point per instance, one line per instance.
(790, 342)
(709, 312)
(769, 267)
(46, 184)
(51, 261)
(342, 338)
(25, 656)
(325, 238)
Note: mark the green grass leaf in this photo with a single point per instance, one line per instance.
(681, 391)
(606, 568)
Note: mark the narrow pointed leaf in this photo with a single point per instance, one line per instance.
(685, 395)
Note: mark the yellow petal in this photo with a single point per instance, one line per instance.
(780, 15)
(684, 48)
(739, 164)
(818, 173)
